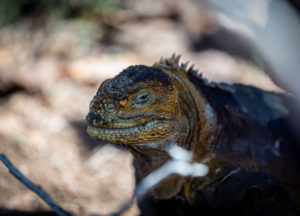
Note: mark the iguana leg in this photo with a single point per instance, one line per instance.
(256, 194)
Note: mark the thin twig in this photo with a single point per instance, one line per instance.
(36, 189)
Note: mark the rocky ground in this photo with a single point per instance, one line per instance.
(48, 76)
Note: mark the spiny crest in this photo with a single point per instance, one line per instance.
(124, 81)
(173, 63)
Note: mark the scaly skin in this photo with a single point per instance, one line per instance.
(149, 109)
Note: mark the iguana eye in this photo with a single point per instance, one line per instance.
(142, 97)
(109, 107)
(142, 100)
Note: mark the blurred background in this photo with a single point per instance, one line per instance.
(54, 55)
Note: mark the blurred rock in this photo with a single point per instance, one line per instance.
(153, 39)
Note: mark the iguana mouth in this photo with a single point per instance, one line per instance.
(124, 128)
(119, 134)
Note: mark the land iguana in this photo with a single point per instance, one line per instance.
(240, 132)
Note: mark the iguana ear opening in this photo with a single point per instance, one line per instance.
(173, 65)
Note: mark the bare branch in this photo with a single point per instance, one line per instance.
(36, 189)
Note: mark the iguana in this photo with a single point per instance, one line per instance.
(240, 132)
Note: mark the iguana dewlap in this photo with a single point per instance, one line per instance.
(236, 130)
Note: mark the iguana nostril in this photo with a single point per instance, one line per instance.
(93, 117)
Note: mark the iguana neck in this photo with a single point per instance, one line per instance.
(195, 133)
(202, 122)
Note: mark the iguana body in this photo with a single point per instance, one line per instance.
(234, 129)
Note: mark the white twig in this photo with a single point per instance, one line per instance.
(181, 163)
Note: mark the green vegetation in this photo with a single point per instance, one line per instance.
(12, 11)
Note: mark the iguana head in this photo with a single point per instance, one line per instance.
(142, 105)
(149, 109)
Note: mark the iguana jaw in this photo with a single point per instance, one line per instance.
(130, 132)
